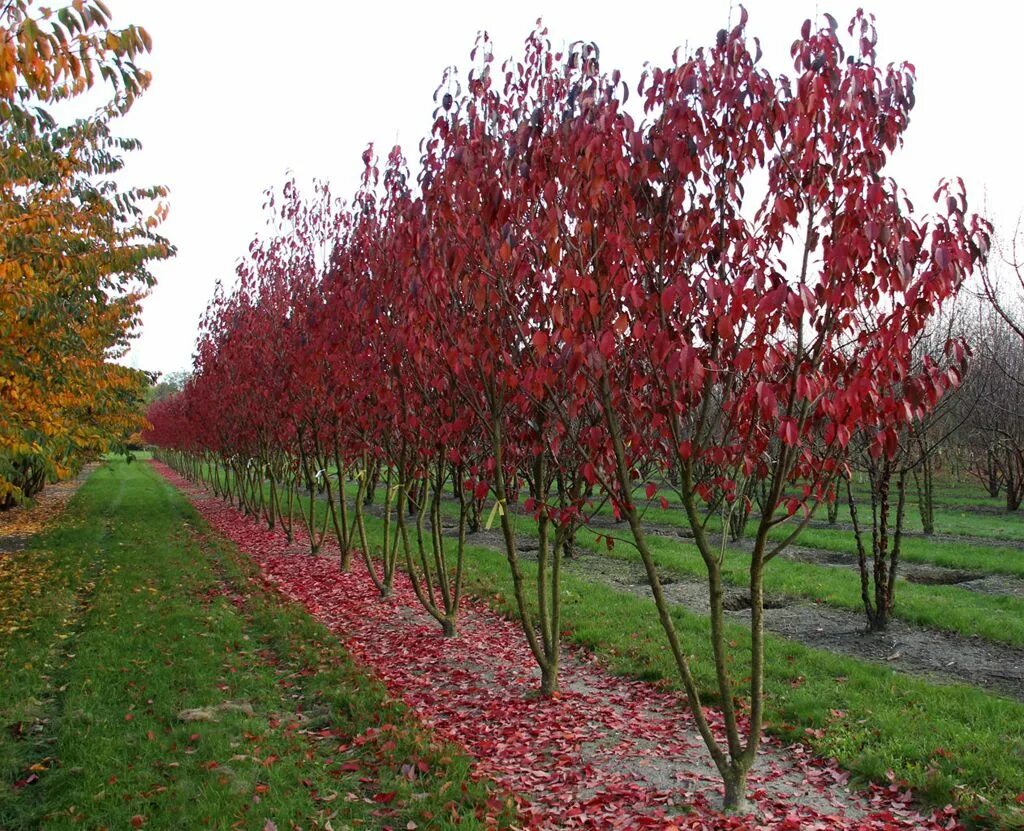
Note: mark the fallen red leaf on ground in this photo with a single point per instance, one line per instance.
(609, 753)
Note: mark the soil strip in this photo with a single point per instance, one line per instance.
(19, 524)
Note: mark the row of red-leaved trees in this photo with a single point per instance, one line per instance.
(566, 300)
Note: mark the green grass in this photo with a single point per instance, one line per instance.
(123, 621)
(961, 521)
(961, 555)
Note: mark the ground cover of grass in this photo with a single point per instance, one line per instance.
(129, 612)
(989, 559)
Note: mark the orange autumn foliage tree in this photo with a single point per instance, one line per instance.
(75, 246)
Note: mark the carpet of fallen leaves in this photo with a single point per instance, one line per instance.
(21, 522)
(21, 574)
(607, 753)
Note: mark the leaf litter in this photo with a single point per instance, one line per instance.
(607, 752)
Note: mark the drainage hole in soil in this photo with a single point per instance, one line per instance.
(740, 602)
(941, 578)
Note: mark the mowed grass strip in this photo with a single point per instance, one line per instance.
(989, 559)
(144, 614)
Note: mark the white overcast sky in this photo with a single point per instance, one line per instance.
(244, 91)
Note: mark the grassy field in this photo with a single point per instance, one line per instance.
(126, 614)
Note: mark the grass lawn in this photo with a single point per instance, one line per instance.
(126, 613)
(991, 559)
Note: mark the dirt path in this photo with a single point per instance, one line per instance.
(609, 753)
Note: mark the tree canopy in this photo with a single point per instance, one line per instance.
(75, 245)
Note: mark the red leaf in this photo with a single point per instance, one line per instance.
(788, 432)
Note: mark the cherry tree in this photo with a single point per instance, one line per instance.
(731, 343)
(566, 305)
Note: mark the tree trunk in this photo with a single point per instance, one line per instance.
(926, 493)
(832, 510)
(549, 674)
(1014, 480)
(735, 798)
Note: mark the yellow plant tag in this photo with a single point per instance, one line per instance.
(498, 509)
